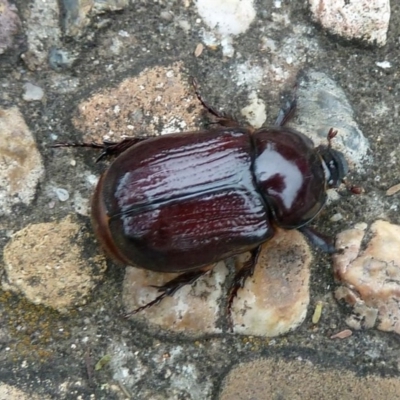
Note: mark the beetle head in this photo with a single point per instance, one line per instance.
(335, 166)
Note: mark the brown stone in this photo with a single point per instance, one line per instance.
(44, 262)
(370, 278)
(275, 299)
(299, 380)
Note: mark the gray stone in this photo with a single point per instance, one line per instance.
(21, 168)
(367, 20)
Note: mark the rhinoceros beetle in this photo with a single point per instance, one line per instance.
(182, 202)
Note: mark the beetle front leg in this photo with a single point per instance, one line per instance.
(222, 119)
(172, 286)
(239, 280)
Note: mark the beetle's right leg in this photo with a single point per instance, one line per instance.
(172, 286)
(323, 242)
(222, 118)
(239, 280)
(110, 149)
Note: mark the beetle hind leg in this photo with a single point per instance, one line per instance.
(239, 280)
(171, 287)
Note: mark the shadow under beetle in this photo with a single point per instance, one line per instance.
(182, 202)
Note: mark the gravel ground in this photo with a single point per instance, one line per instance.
(73, 71)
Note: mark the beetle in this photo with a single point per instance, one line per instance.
(184, 201)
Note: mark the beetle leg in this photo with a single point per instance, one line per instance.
(318, 239)
(113, 149)
(109, 148)
(221, 117)
(286, 114)
(171, 287)
(239, 280)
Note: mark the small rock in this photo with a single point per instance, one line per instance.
(8, 392)
(342, 334)
(227, 17)
(384, 64)
(21, 168)
(32, 92)
(151, 93)
(102, 6)
(42, 32)
(76, 16)
(78, 13)
(60, 59)
(367, 20)
(44, 262)
(323, 105)
(393, 190)
(370, 278)
(255, 113)
(199, 49)
(301, 379)
(275, 299)
(10, 24)
(62, 194)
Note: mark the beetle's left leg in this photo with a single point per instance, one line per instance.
(172, 286)
(286, 114)
(110, 149)
(240, 278)
(221, 117)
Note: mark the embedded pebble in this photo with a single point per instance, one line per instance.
(198, 50)
(384, 64)
(231, 17)
(60, 59)
(226, 19)
(336, 217)
(44, 262)
(140, 104)
(62, 194)
(323, 105)
(342, 334)
(393, 190)
(77, 14)
(300, 378)
(8, 392)
(32, 92)
(370, 278)
(10, 24)
(193, 309)
(275, 299)
(42, 32)
(21, 168)
(255, 113)
(367, 20)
